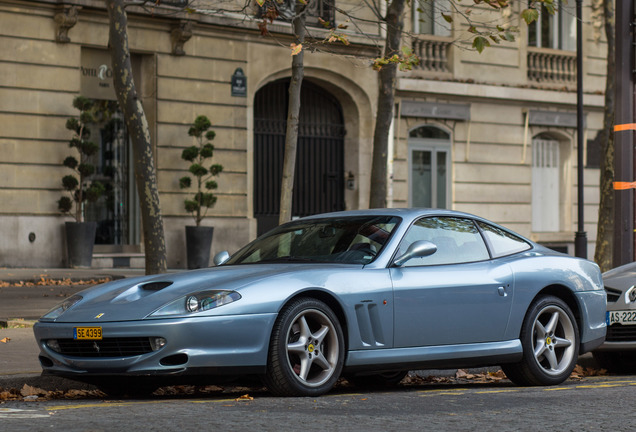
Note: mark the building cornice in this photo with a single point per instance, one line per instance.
(489, 91)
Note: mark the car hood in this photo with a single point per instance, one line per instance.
(136, 298)
(621, 278)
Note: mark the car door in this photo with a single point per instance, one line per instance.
(457, 295)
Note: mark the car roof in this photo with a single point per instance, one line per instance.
(405, 213)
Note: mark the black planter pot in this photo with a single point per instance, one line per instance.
(198, 245)
(80, 238)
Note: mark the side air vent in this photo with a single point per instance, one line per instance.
(155, 286)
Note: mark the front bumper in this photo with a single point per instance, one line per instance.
(193, 345)
(593, 327)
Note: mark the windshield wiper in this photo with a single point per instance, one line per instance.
(287, 259)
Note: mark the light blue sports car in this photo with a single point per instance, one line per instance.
(367, 295)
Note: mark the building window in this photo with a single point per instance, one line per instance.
(317, 12)
(550, 173)
(117, 211)
(427, 17)
(594, 152)
(556, 31)
(429, 167)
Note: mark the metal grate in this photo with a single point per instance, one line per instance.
(621, 333)
(108, 347)
(319, 179)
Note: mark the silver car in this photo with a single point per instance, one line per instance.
(367, 295)
(618, 353)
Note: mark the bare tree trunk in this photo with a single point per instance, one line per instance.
(130, 104)
(386, 100)
(605, 225)
(293, 114)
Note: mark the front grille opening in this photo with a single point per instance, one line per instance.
(621, 333)
(107, 347)
(155, 286)
(174, 360)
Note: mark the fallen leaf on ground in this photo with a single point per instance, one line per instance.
(580, 372)
(46, 281)
(27, 390)
(245, 397)
(461, 373)
(5, 340)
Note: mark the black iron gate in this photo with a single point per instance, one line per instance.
(319, 178)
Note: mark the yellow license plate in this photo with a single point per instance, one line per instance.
(87, 333)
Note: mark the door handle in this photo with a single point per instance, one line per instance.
(502, 291)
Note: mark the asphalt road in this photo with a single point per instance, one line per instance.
(599, 403)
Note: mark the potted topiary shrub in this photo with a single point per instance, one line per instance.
(199, 238)
(80, 235)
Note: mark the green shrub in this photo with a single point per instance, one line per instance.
(198, 155)
(79, 189)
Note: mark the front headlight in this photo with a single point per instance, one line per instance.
(62, 307)
(197, 302)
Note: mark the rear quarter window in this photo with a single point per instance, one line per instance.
(501, 242)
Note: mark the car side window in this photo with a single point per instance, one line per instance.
(457, 240)
(502, 242)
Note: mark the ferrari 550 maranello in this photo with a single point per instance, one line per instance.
(367, 295)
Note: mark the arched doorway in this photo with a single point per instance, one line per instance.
(319, 179)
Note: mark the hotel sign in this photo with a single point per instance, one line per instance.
(96, 75)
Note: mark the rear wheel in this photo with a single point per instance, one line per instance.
(550, 341)
(306, 352)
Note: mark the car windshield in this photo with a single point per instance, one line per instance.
(348, 240)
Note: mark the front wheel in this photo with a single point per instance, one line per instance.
(306, 352)
(550, 341)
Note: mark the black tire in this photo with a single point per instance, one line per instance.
(306, 351)
(385, 379)
(550, 341)
(616, 361)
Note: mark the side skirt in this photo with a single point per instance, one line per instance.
(436, 357)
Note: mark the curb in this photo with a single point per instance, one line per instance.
(16, 323)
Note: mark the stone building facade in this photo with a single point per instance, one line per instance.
(469, 128)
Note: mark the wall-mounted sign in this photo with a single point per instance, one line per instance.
(435, 110)
(239, 83)
(552, 118)
(96, 75)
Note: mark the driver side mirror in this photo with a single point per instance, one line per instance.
(221, 258)
(417, 249)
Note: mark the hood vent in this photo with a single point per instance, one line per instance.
(155, 286)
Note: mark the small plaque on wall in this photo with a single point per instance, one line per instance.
(239, 83)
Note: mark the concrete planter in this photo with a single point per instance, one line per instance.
(198, 245)
(80, 238)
